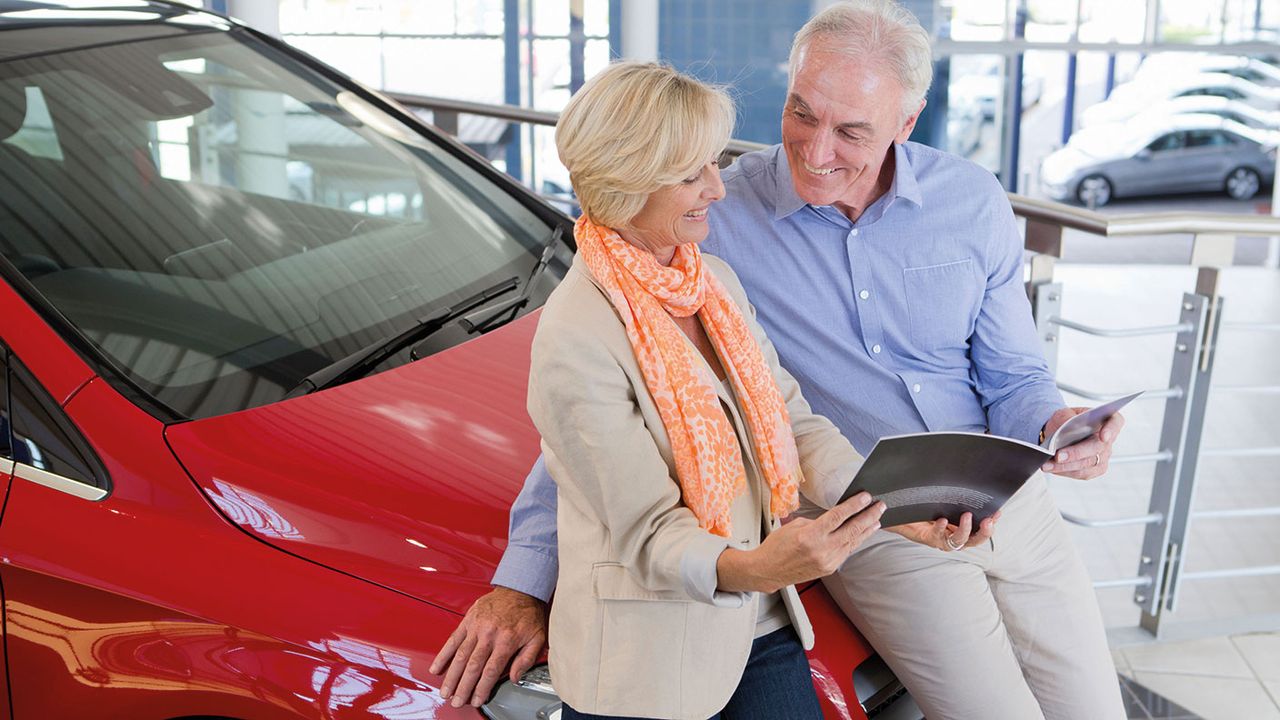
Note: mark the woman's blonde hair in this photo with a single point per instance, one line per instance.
(636, 127)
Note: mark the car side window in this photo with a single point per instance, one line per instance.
(43, 437)
(1205, 138)
(1171, 141)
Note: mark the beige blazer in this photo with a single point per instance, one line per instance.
(627, 636)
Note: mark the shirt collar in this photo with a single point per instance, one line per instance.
(787, 202)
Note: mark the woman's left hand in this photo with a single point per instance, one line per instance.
(946, 537)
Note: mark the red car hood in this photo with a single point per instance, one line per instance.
(404, 478)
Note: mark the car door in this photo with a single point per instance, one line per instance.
(6, 475)
(1148, 170)
(1202, 162)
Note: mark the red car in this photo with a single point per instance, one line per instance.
(265, 342)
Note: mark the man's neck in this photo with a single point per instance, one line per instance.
(884, 181)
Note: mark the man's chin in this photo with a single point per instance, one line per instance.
(815, 193)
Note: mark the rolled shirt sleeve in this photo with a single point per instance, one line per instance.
(530, 563)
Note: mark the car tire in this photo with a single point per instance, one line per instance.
(1243, 183)
(1094, 191)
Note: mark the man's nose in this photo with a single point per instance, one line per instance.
(819, 150)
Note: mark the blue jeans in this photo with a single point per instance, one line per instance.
(775, 684)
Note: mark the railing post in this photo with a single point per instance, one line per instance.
(1173, 488)
(446, 120)
(1045, 240)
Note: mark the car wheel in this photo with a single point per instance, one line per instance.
(1094, 191)
(1243, 183)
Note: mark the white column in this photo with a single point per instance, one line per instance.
(640, 29)
(1273, 245)
(261, 15)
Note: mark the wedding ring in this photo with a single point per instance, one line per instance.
(954, 545)
(1097, 460)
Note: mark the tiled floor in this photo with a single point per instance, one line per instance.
(1210, 663)
(1221, 678)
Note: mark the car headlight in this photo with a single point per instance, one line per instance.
(530, 698)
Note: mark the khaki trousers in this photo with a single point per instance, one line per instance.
(1006, 631)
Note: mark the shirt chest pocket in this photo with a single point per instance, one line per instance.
(942, 303)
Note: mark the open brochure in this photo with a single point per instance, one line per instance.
(925, 476)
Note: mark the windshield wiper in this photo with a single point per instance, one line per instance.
(362, 361)
(514, 305)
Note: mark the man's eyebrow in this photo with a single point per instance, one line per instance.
(799, 102)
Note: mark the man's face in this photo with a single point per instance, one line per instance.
(841, 117)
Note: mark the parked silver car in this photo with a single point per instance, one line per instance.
(1179, 153)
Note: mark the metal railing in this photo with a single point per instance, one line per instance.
(1160, 572)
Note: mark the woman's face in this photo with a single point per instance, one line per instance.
(676, 214)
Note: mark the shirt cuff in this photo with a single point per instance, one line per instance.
(1029, 424)
(698, 573)
(528, 571)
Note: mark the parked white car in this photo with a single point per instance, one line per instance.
(1139, 95)
(1243, 113)
(1163, 65)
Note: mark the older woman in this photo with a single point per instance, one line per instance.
(676, 441)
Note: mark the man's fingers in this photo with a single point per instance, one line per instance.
(491, 673)
(446, 652)
(457, 665)
(471, 675)
(1110, 429)
(1086, 448)
(836, 516)
(527, 656)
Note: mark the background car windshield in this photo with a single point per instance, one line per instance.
(221, 221)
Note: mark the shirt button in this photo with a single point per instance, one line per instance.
(864, 294)
(853, 232)
(875, 349)
(915, 388)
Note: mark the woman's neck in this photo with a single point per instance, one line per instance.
(664, 255)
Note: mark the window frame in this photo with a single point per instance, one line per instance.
(17, 372)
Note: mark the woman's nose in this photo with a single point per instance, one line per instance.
(715, 187)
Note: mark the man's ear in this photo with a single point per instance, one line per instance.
(909, 124)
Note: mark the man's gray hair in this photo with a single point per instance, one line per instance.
(878, 31)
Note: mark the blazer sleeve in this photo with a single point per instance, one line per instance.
(606, 462)
(827, 459)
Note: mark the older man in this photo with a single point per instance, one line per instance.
(889, 275)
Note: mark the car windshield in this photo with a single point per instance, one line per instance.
(221, 220)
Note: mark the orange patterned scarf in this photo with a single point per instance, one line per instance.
(708, 460)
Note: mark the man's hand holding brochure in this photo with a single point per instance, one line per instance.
(925, 476)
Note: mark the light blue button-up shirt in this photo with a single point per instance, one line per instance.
(911, 319)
